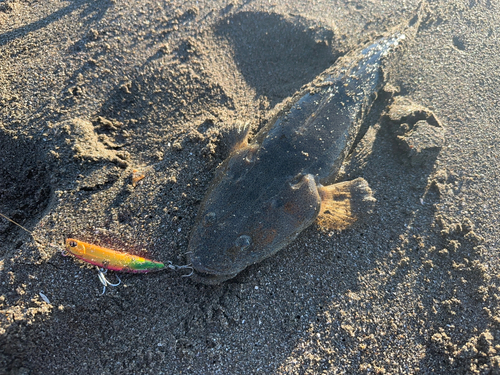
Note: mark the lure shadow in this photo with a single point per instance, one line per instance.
(24, 187)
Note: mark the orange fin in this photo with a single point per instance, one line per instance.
(342, 204)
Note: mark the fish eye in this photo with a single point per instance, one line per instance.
(72, 243)
(209, 218)
(243, 242)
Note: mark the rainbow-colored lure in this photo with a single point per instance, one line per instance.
(108, 259)
(111, 259)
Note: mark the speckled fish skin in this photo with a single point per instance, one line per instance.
(266, 192)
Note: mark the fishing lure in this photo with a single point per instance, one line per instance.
(111, 259)
(108, 259)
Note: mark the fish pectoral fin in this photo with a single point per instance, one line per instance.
(342, 204)
(237, 137)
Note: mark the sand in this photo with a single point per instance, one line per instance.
(91, 90)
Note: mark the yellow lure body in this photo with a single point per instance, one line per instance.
(111, 259)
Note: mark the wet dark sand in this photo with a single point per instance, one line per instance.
(90, 90)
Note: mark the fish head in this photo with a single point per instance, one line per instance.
(247, 216)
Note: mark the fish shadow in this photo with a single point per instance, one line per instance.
(406, 259)
(430, 255)
(291, 51)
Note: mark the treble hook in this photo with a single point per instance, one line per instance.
(101, 272)
(177, 268)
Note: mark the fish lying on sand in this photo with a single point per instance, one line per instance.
(266, 192)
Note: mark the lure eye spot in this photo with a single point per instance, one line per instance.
(72, 243)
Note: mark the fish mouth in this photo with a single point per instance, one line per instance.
(208, 276)
(210, 279)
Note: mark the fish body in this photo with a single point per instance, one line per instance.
(265, 193)
(111, 259)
